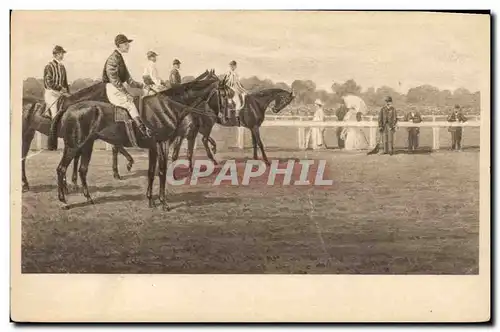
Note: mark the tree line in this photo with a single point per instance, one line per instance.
(426, 98)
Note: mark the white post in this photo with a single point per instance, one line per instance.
(373, 136)
(301, 137)
(241, 137)
(435, 138)
(38, 138)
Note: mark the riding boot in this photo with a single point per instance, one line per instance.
(145, 131)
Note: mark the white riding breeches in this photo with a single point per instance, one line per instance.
(51, 97)
(238, 100)
(118, 98)
(154, 90)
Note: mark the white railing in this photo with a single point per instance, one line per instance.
(367, 117)
(303, 125)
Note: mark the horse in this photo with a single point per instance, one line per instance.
(251, 116)
(33, 120)
(83, 123)
(191, 122)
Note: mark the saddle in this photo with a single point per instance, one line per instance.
(123, 118)
(232, 116)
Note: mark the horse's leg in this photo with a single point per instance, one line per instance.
(163, 148)
(74, 176)
(254, 145)
(177, 148)
(127, 155)
(27, 139)
(191, 141)
(214, 145)
(205, 141)
(84, 168)
(116, 174)
(61, 172)
(261, 145)
(153, 155)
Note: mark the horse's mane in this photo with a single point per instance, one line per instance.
(85, 91)
(265, 92)
(186, 86)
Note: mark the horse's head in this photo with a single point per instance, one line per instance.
(207, 75)
(283, 98)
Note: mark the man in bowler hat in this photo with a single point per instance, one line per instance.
(413, 132)
(340, 113)
(456, 132)
(387, 120)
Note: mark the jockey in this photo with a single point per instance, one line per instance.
(153, 82)
(115, 73)
(55, 80)
(175, 76)
(233, 82)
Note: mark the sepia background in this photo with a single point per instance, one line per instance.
(436, 58)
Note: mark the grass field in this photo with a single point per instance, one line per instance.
(401, 214)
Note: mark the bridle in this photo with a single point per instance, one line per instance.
(193, 106)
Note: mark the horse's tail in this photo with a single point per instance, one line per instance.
(53, 137)
(93, 130)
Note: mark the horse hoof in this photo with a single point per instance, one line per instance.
(65, 207)
(152, 204)
(166, 207)
(63, 200)
(129, 167)
(90, 201)
(117, 176)
(26, 188)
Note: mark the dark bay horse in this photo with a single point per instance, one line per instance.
(251, 116)
(83, 123)
(33, 120)
(193, 120)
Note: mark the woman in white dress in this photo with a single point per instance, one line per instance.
(315, 136)
(354, 137)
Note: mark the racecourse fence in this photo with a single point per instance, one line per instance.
(302, 123)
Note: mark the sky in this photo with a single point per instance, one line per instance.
(400, 50)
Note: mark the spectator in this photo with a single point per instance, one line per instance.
(456, 132)
(413, 132)
(316, 135)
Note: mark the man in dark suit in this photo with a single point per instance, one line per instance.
(387, 120)
(456, 132)
(340, 113)
(175, 76)
(413, 132)
(55, 80)
(115, 74)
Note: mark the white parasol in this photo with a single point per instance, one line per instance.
(355, 103)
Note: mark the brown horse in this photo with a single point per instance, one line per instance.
(251, 116)
(83, 123)
(178, 94)
(34, 119)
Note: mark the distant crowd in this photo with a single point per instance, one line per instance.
(308, 110)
